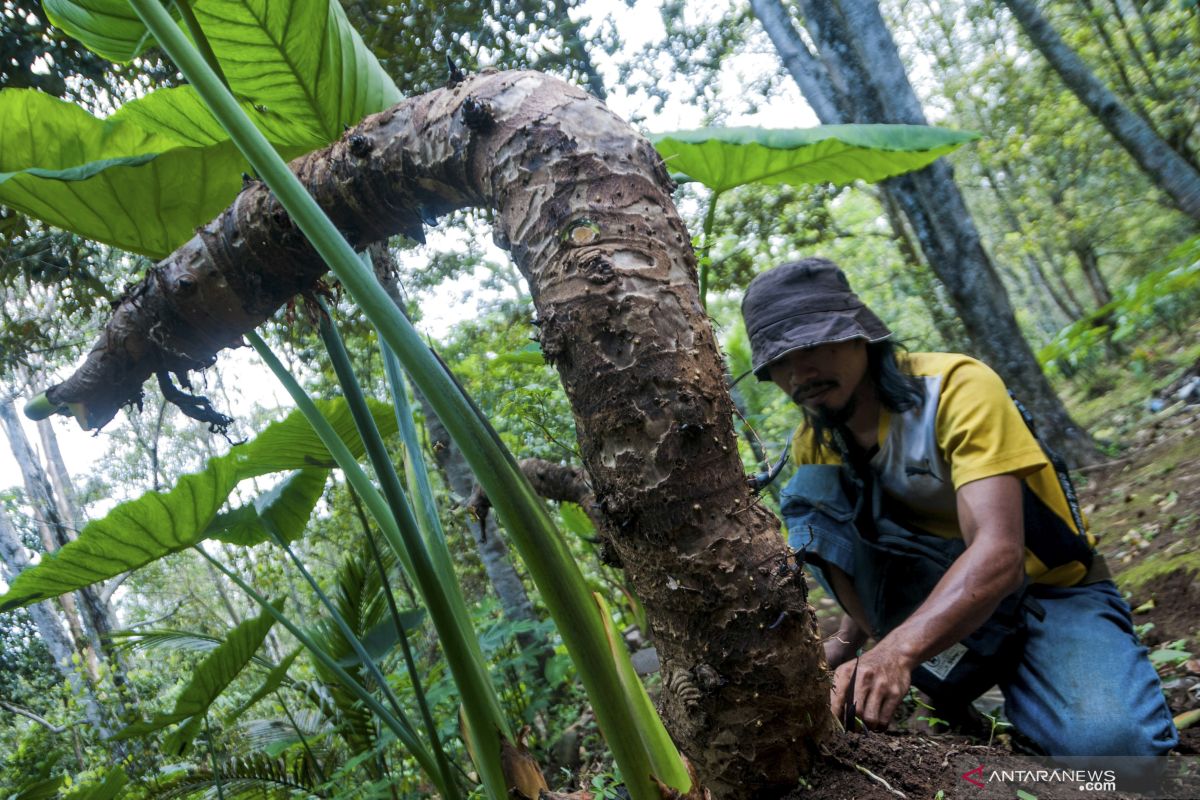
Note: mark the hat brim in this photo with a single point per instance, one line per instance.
(813, 329)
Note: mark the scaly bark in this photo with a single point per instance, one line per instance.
(583, 203)
(1168, 169)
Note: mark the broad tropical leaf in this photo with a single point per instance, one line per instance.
(132, 535)
(209, 679)
(160, 523)
(110, 180)
(724, 158)
(293, 444)
(273, 681)
(298, 61)
(109, 28)
(284, 510)
(298, 68)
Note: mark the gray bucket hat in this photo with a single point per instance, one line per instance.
(802, 304)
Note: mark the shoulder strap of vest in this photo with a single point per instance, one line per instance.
(1056, 461)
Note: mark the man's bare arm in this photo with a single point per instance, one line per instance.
(991, 568)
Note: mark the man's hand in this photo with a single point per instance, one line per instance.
(881, 683)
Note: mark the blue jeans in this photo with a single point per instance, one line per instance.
(1084, 686)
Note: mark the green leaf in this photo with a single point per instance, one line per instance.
(210, 677)
(110, 180)
(380, 640)
(284, 510)
(529, 354)
(273, 681)
(576, 520)
(145, 178)
(109, 28)
(300, 62)
(132, 535)
(1168, 657)
(293, 444)
(114, 781)
(160, 523)
(724, 158)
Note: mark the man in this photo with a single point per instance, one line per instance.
(926, 506)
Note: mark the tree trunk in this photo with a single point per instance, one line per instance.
(50, 627)
(1089, 263)
(1169, 170)
(489, 542)
(60, 479)
(583, 203)
(863, 66)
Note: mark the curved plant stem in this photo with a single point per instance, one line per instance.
(549, 562)
(212, 759)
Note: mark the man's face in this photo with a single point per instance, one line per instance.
(824, 378)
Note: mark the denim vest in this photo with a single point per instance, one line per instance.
(893, 574)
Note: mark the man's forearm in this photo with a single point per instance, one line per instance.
(960, 602)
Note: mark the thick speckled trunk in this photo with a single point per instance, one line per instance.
(583, 203)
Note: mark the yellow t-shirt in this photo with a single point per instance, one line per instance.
(966, 429)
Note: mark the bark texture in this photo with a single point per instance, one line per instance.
(857, 59)
(1169, 170)
(583, 203)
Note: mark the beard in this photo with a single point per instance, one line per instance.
(824, 420)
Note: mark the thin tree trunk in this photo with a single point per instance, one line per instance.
(1089, 263)
(60, 479)
(489, 541)
(1070, 312)
(1169, 170)
(865, 70)
(50, 627)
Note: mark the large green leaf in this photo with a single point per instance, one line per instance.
(160, 523)
(299, 61)
(109, 28)
(132, 535)
(143, 179)
(283, 510)
(724, 158)
(209, 679)
(112, 180)
(293, 444)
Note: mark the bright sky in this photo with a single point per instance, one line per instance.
(637, 25)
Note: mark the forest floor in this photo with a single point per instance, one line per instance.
(1144, 507)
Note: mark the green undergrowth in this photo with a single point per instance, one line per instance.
(1158, 565)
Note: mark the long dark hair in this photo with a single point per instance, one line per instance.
(898, 392)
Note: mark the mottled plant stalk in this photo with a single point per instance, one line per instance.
(583, 203)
